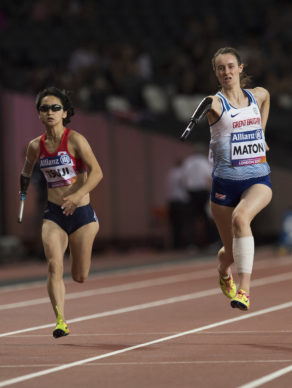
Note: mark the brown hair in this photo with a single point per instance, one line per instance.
(245, 80)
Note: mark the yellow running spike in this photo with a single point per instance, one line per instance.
(61, 328)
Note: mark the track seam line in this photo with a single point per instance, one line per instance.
(117, 288)
(141, 284)
(155, 363)
(258, 264)
(157, 303)
(30, 376)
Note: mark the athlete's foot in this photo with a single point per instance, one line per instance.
(227, 285)
(240, 301)
(61, 328)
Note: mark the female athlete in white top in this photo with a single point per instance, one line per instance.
(241, 183)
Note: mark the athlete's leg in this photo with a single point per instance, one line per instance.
(253, 200)
(223, 219)
(55, 241)
(223, 216)
(80, 243)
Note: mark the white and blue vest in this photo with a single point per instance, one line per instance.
(237, 144)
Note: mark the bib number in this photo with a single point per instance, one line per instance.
(248, 148)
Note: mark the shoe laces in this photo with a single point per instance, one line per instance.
(228, 283)
(241, 294)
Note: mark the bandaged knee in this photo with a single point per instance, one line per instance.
(243, 253)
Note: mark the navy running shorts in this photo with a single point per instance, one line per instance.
(228, 192)
(83, 215)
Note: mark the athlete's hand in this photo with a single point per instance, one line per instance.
(267, 147)
(70, 204)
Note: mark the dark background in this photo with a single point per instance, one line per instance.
(147, 63)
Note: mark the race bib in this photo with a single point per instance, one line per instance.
(58, 170)
(247, 148)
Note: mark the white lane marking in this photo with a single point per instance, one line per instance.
(266, 379)
(143, 284)
(188, 362)
(22, 286)
(44, 372)
(160, 267)
(123, 310)
(122, 272)
(118, 288)
(182, 298)
(141, 333)
(155, 363)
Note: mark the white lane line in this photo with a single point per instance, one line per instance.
(184, 264)
(258, 264)
(143, 306)
(22, 286)
(162, 302)
(266, 379)
(188, 362)
(143, 284)
(118, 288)
(44, 372)
(133, 334)
(271, 279)
(137, 363)
(141, 333)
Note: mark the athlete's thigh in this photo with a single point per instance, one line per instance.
(80, 243)
(254, 199)
(55, 240)
(223, 219)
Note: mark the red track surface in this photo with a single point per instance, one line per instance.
(162, 326)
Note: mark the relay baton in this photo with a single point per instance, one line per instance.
(21, 207)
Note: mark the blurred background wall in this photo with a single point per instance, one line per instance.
(136, 69)
(133, 161)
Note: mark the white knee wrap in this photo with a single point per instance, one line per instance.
(243, 253)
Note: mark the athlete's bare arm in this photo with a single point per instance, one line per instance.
(80, 148)
(30, 160)
(31, 157)
(262, 97)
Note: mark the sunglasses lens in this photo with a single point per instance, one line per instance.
(44, 108)
(54, 108)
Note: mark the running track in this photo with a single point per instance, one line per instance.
(161, 325)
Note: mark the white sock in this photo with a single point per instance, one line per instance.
(243, 253)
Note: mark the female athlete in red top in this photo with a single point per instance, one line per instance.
(71, 171)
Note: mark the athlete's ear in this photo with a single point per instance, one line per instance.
(241, 68)
(64, 114)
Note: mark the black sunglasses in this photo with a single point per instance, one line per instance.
(54, 108)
